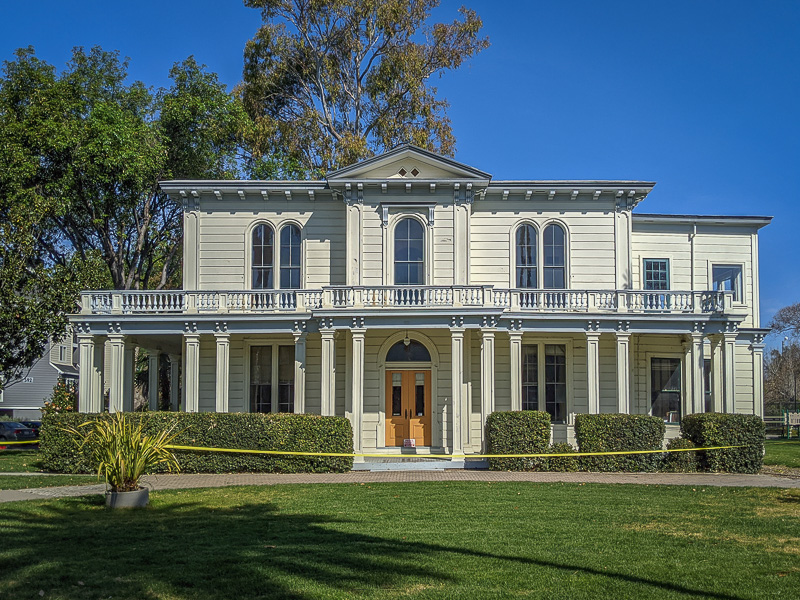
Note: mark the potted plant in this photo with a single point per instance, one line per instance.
(123, 454)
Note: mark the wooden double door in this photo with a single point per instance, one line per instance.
(408, 407)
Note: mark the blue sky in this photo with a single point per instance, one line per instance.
(701, 96)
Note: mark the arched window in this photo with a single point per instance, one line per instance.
(526, 257)
(290, 257)
(409, 248)
(414, 351)
(263, 242)
(554, 257)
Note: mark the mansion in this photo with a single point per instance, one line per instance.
(415, 295)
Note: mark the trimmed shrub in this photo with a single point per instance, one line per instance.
(720, 429)
(517, 432)
(617, 433)
(250, 431)
(680, 462)
(563, 464)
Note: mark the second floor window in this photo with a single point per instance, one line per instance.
(409, 252)
(728, 278)
(656, 274)
(263, 259)
(526, 257)
(554, 258)
(290, 257)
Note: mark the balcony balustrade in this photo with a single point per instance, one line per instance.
(359, 298)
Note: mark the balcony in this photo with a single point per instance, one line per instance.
(340, 298)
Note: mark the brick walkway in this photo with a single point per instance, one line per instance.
(174, 482)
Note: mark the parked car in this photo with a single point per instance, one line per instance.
(11, 431)
(35, 425)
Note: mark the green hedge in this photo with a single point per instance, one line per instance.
(619, 432)
(680, 462)
(720, 429)
(304, 433)
(517, 432)
(564, 464)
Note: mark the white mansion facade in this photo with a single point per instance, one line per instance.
(414, 295)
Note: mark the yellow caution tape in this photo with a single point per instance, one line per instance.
(14, 443)
(362, 455)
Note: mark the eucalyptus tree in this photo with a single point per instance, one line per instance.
(330, 82)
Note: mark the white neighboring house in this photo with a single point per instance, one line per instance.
(24, 400)
(415, 295)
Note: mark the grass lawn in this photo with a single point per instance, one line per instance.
(19, 482)
(427, 540)
(19, 461)
(27, 461)
(783, 452)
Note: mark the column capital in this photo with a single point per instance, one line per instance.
(514, 325)
(190, 329)
(456, 322)
(359, 332)
(623, 328)
(488, 322)
(593, 328)
(358, 323)
(221, 328)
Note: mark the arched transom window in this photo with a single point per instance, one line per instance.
(409, 252)
(290, 257)
(263, 257)
(554, 257)
(526, 257)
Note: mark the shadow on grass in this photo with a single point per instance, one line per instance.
(78, 548)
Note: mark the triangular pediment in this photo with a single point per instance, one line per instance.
(408, 163)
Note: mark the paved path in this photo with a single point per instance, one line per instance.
(174, 482)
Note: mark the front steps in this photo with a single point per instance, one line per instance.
(418, 463)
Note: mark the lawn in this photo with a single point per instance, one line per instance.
(27, 461)
(427, 540)
(19, 461)
(783, 452)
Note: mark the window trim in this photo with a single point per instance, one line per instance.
(541, 342)
(643, 270)
(427, 248)
(248, 344)
(277, 257)
(539, 227)
(741, 265)
(276, 226)
(681, 356)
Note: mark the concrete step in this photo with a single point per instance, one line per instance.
(417, 463)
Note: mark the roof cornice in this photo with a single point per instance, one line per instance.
(752, 221)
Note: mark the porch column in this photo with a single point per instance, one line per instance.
(299, 371)
(116, 374)
(86, 375)
(516, 369)
(129, 374)
(487, 377)
(717, 367)
(729, 376)
(696, 372)
(328, 392)
(457, 379)
(357, 408)
(174, 381)
(191, 372)
(152, 379)
(623, 370)
(757, 347)
(223, 339)
(593, 369)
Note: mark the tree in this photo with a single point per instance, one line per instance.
(81, 155)
(330, 82)
(781, 374)
(787, 320)
(98, 146)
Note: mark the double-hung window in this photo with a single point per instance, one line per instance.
(728, 278)
(271, 378)
(552, 372)
(656, 274)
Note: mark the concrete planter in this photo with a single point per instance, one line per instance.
(135, 499)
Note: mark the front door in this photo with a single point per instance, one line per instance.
(408, 407)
